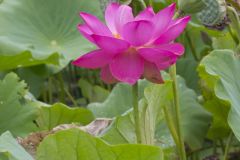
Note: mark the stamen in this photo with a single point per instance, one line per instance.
(118, 36)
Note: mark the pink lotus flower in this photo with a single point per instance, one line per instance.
(131, 47)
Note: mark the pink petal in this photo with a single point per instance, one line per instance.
(123, 16)
(110, 15)
(156, 55)
(165, 65)
(162, 19)
(174, 31)
(162, 58)
(107, 76)
(110, 44)
(127, 67)
(173, 22)
(86, 32)
(95, 24)
(147, 14)
(94, 59)
(137, 33)
(176, 48)
(152, 73)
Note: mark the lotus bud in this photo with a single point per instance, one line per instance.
(191, 6)
(234, 18)
(214, 15)
(237, 51)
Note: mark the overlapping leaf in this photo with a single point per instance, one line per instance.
(52, 116)
(93, 93)
(118, 102)
(122, 129)
(25, 59)
(41, 29)
(192, 115)
(223, 66)
(16, 113)
(77, 145)
(10, 149)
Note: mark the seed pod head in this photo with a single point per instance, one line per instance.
(214, 14)
(191, 6)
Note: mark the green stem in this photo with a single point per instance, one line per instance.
(136, 113)
(45, 96)
(193, 152)
(229, 141)
(233, 16)
(50, 90)
(234, 4)
(191, 45)
(71, 97)
(214, 147)
(143, 4)
(61, 85)
(222, 146)
(232, 35)
(150, 3)
(181, 147)
(171, 124)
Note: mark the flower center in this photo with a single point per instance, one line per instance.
(118, 36)
(132, 50)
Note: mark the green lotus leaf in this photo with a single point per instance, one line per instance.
(75, 144)
(11, 150)
(118, 101)
(25, 59)
(16, 113)
(43, 28)
(52, 116)
(195, 120)
(93, 93)
(220, 69)
(157, 96)
(219, 127)
(224, 42)
(122, 130)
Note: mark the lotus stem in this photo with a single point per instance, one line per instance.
(192, 47)
(232, 35)
(171, 124)
(181, 147)
(50, 92)
(61, 86)
(229, 141)
(136, 113)
(71, 97)
(173, 75)
(233, 16)
(143, 4)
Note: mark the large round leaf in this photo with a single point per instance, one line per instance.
(118, 101)
(52, 116)
(122, 129)
(16, 113)
(76, 145)
(44, 27)
(11, 150)
(224, 66)
(157, 96)
(25, 59)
